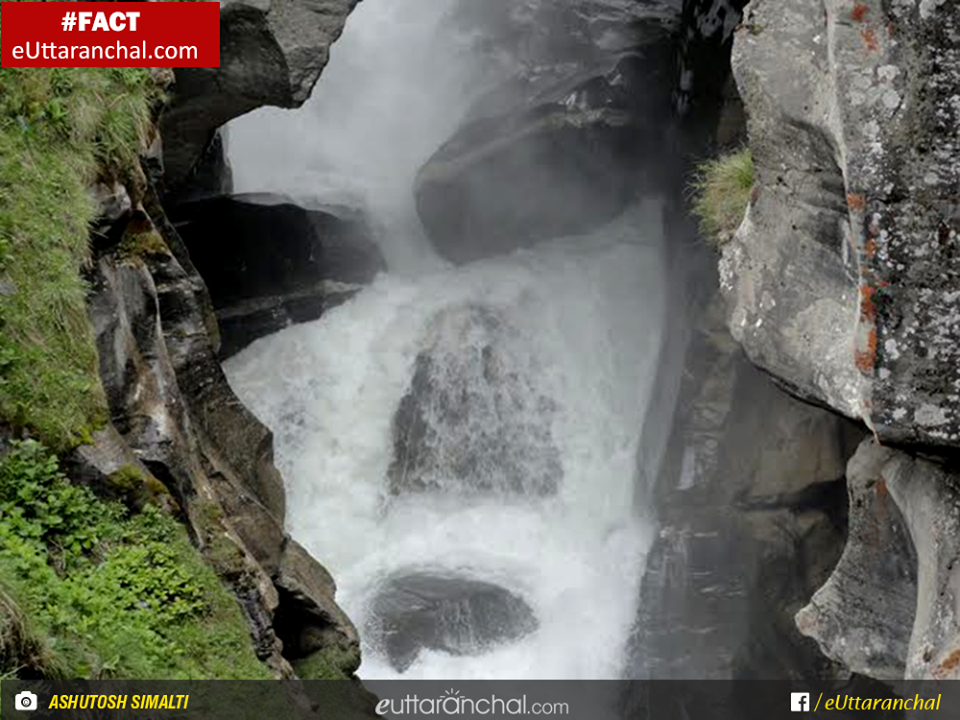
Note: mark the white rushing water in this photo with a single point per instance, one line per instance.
(586, 314)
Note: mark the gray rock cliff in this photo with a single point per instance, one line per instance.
(843, 277)
(842, 283)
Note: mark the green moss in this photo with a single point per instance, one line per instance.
(722, 190)
(222, 552)
(60, 128)
(333, 663)
(155, 488)
(127, 479)
(135, 601)
(141, 240)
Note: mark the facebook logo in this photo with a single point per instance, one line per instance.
(799, 702)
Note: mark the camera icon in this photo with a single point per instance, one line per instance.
(25, 700)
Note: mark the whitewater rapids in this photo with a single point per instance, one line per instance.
(589, 309)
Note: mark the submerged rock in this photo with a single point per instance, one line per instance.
(475, 418)
(269, 262)
(554, 149)
(457, 615)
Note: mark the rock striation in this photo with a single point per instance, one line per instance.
(174, 421)
(863, 615)
(890, 608)
(174, 418)
(751, 513)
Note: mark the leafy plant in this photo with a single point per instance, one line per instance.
(134, 599)
(38, 504)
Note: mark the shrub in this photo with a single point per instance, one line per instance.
(134, 599)
(38, 504)
(721, 192)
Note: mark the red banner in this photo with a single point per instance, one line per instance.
(108, 34)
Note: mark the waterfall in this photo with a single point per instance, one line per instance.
(458, 443)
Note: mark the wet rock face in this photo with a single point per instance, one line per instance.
(751, 512)
(842, 278)
(308, 620)
(708, 27)
(175, 420)
(271, 53)
(456, 615)
(554, 148)
(474, 419)
(269, 262)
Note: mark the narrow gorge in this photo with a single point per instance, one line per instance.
(405, 312)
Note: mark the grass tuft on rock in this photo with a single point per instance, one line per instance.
(60, 130)
(721, 192)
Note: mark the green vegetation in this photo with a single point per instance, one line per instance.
(332, 663)
(722, 190)
(89, 590)
(60, 129)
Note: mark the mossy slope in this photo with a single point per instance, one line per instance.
(60, 130)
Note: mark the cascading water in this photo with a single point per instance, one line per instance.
(465, 432)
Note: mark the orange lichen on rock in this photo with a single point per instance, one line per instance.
(869, 39)
(950, 664)
(856, 202)
(865, 359)
(868, 311)
(859, 12)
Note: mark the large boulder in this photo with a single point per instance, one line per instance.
(269, 262)
(900, 557)
(474, 419)
(457, 615)
(863, 615)
(554, 149)
(271, 53)
(843, 276)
